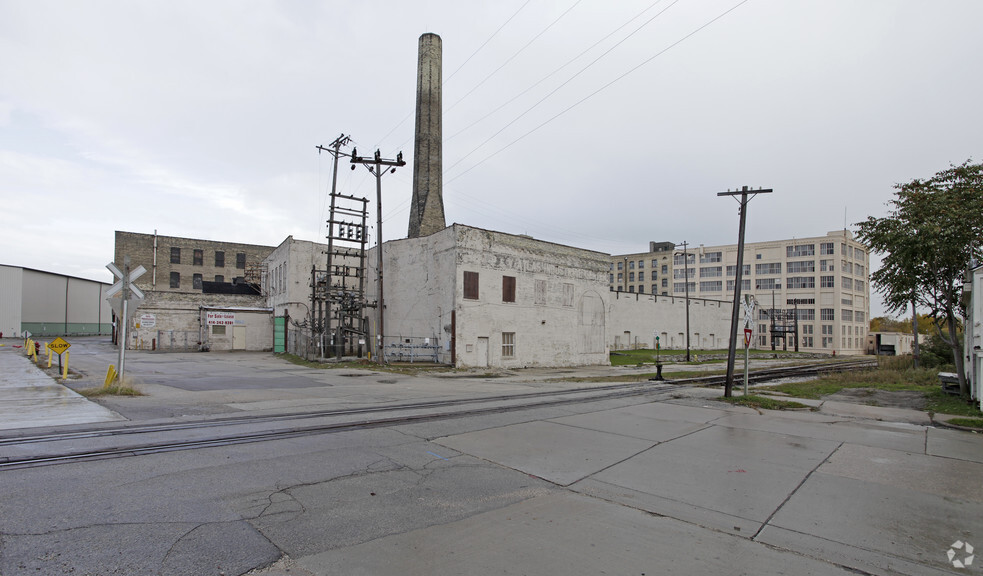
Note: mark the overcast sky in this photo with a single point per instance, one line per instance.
(597, 124)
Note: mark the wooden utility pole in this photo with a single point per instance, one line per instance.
(375, 166)
(732, 347)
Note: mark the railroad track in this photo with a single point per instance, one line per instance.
(28, 451)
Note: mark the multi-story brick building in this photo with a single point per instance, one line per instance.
(820, 285)
(200, 294)
(181, 264)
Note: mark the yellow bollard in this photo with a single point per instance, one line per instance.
(110, 375)
(29, 344)
(48, 348)
(64, 374)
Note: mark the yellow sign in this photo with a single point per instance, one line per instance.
(58, 345)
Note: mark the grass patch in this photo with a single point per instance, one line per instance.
(967, 422)
(366, 364)
(648, 356)
(942, 403)
(115, 390)
(763, 402)
(640, 377)
(921, 380)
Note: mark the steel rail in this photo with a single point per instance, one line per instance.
(784, 371)
(541, 399)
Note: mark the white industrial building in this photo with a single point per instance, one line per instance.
(635, 320)
(821, 282)
(973, 340)
(51, 304)
(485, 298)
(462, 296)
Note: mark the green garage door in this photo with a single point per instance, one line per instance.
(279, 334)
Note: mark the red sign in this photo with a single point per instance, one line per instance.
(747, 337)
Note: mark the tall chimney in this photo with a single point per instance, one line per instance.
(427, 209)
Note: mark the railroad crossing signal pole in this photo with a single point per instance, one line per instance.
(732, 348)
(375, 166)
(129, 291)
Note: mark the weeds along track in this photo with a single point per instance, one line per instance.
(98, 443)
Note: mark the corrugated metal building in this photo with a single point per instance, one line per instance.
(51, 304)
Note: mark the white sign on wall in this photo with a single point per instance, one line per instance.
(148, 321)
(220, 318)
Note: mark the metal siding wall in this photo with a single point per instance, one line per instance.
(83, 301)
(44, 297)
(11, 291)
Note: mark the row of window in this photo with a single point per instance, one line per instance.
(631, 276)
(196, 280)
(791, 251)
(825, 314)
(827, 342)
(641, 264)
(471, 291)
(769, 269)
(791, 283)
(198, 258)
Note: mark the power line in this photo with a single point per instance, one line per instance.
(513, 56)
(599, 90)
(483, 44)
(567, 81)
(410, 115)
(551, 74)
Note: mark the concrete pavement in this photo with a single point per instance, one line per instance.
(685, 486)
(694, 486)
(30, 398)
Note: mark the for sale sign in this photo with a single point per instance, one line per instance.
(220, 318)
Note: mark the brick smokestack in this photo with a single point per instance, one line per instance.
(427, 209)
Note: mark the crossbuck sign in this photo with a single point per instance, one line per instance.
(748, 312)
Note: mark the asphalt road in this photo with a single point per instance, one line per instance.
(662, 484)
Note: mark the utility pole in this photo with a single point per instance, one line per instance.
(375, 166)
(346, 304)
(686, 290)
(731, 349)
(914, 332)
(626, 274)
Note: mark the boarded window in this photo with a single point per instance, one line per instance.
(508, 288)
(241, 261)
(508, 344)
(219, 278)
(217, 329)
(196, 281)
(175, 255)
(199, 257)
(219, 259)
(568, 295)
(175, 279)
(540, 297)
(471, 285)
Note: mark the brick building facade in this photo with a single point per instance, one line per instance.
(181, 264)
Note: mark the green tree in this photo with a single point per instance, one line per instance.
(932, 232)
(892, 324)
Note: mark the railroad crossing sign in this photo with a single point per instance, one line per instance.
(118, 286)
(59, 345)
(748, 312)
(115, 297)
